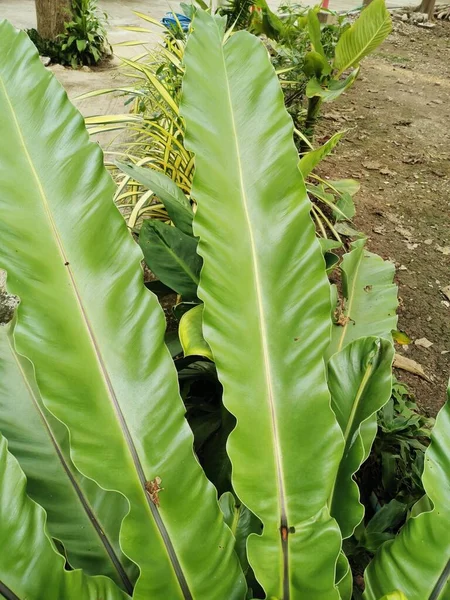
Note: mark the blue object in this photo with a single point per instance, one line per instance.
(170, 21)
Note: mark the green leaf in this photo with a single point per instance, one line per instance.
(81, 45)
(328, 245)
(360, 381)
(370, 298)
(242, 523)
(315, 65)
(95, 335)
(349, 186)
(40, 444)
(315, 33)
(395, 596)
(246, 325)
(333, 87)
(177, 205)
(311, 159)
(344, 577)
(400, 337)
(191, 334)
(417, 561)
(30, 566)
(159, 288)
(331, 261)
(388, 517)
(367, 32)
(346, 207)
(172, 256)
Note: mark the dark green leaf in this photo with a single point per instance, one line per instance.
(172, 256)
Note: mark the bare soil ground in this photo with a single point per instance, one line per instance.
(398, 147)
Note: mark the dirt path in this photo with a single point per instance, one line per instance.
(398, 147)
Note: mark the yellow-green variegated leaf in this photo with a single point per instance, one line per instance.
(417, 561)
(367, 32)
(394, 596)
(360, 382)
(95, 336)
(369, 300)
(85, 518)
(30, 566)
(266, 307)
(190, 331)
(177, 205)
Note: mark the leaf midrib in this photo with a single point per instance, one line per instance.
(350, 299)
(7, 593)
(264, 338)
(355, 404)
(104, 374)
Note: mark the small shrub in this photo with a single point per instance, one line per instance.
(84, 41)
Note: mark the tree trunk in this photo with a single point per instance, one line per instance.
(51, 16)
(427, 6)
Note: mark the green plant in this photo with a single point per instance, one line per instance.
(84, 41)
(237, 12)
(304, 422)
(154, 130)
(399, 449)
(326, 83)
(49, 48)
(289, 52)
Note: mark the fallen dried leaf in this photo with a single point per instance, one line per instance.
(380, 230)
(444, 249)
(446, 291)
(407, 364)
(371, 166)
(404, 232)
(411, 246)
(423, 343)
(387, 171)
(333, 116)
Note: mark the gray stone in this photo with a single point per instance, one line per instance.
(45, 60)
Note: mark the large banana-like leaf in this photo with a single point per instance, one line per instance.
(83, 516)
(367, 32)
(360, 381)
(95, 336)
(417, 562)
(266, 307)
(30, 566)
(370, 298)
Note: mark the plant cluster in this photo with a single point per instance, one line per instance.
(84, 41)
